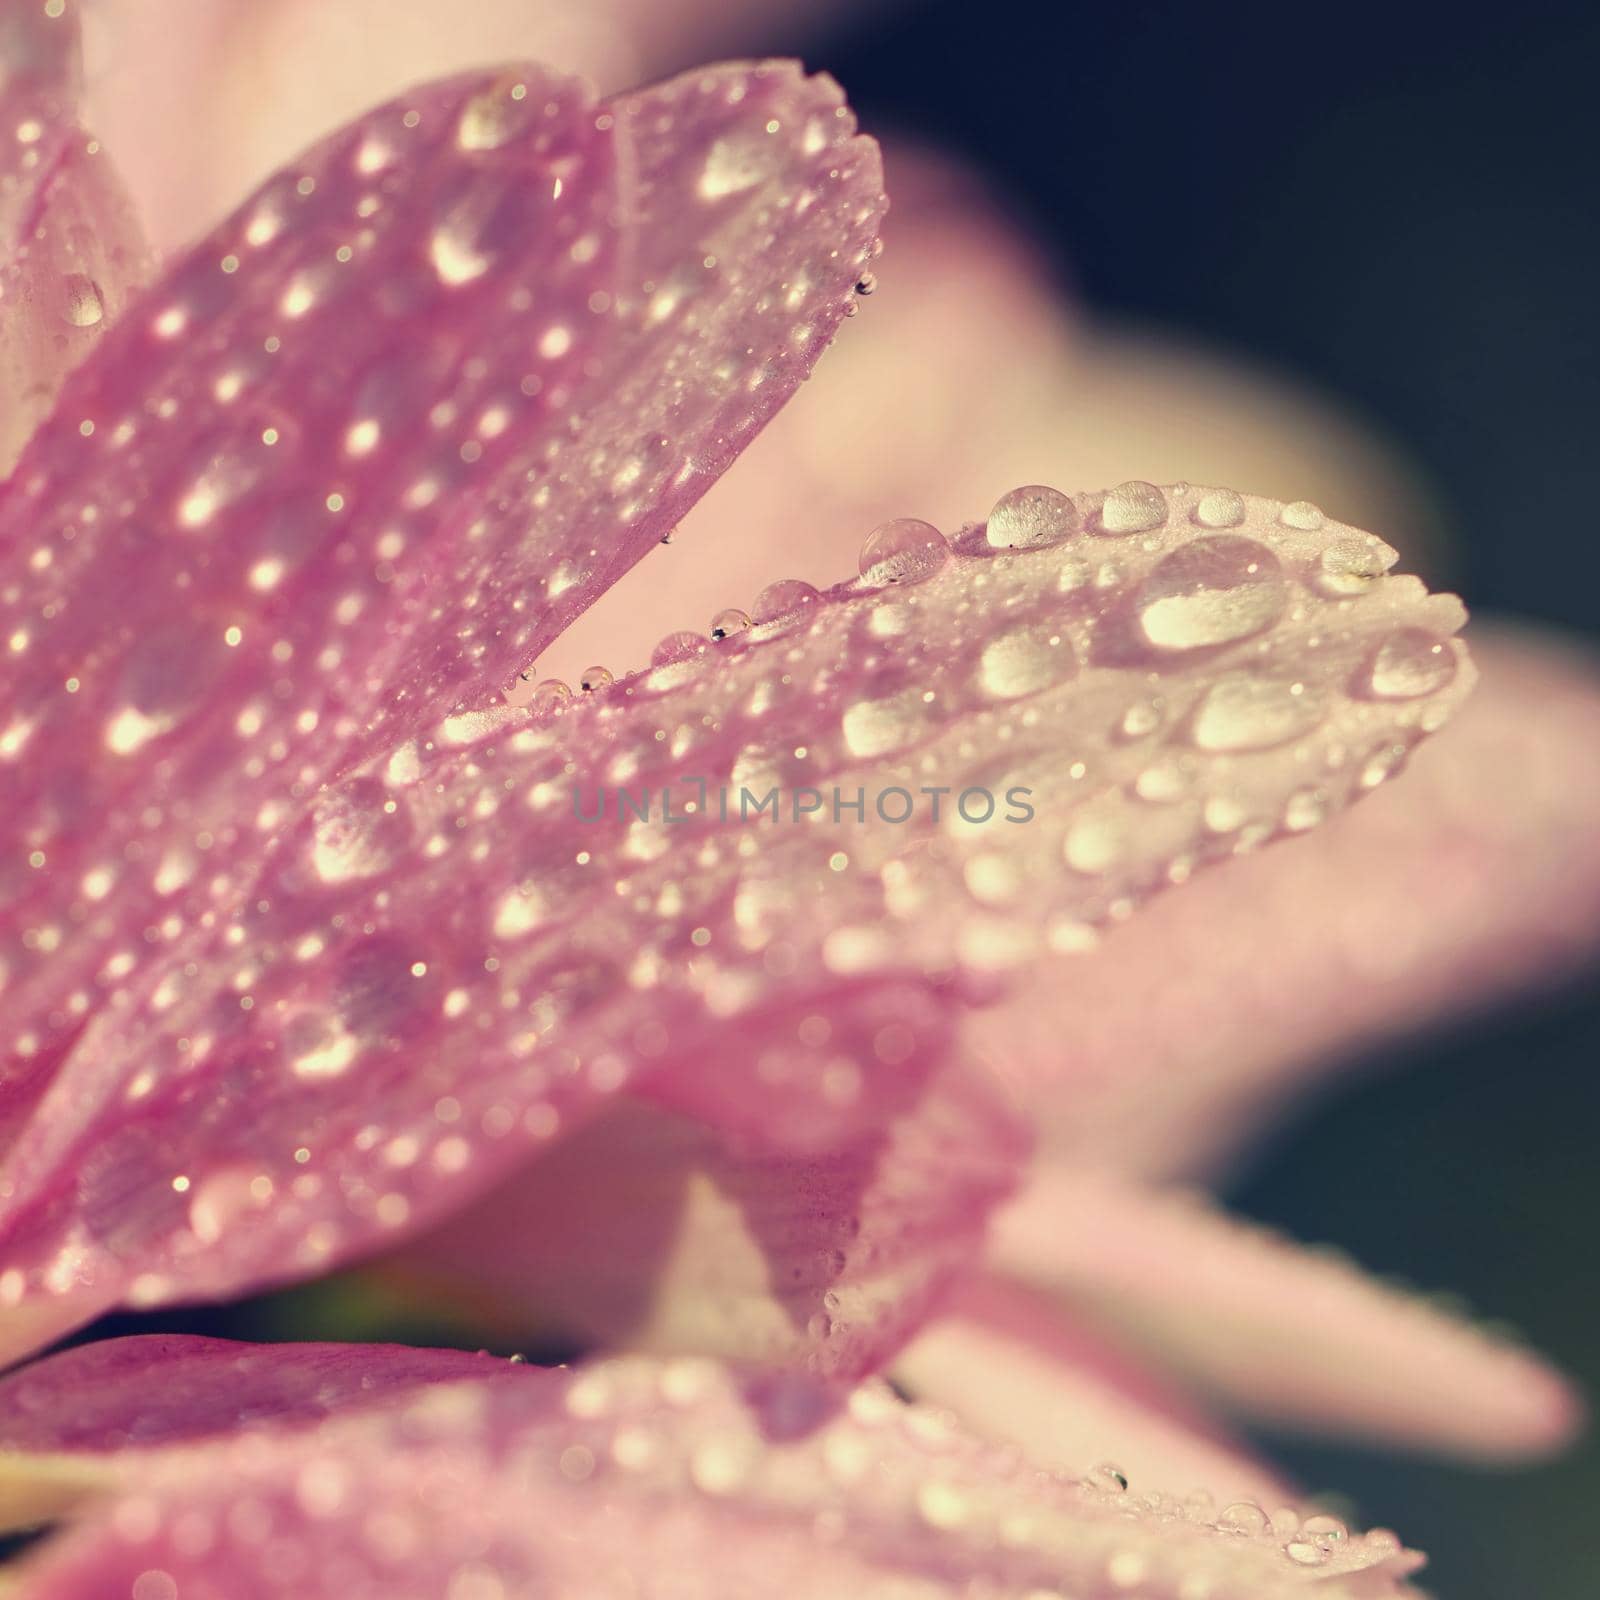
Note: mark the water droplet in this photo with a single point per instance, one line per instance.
(866, 283)
(1304, 809)
(1221, 508)
(1210, 592)
(1304, 1553)
(1025, 661)
(1410, 664)
(1141, 718)
(550, 694)
(1349, 566)
(1095, 842)
(736, 164)
(595, 678)
(353, 835)
(902, 551)
(1165, 781)
(1031, 516)
(727, 623)
(1303, 515)
(1133, 507)
(494, 116)
(1242, 712)
(83, 306)
(676, 647)
(1244, 1516)
(1324, 1530)
(788, 601)
(877, 727)
(1109, 1478)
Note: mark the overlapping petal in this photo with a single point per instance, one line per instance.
(70, 249)
(1173, 677)
(594, 1482)
(1280, 1332)
(650, 1230)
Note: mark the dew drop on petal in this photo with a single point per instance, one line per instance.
(549, 694)
(1220, 508)
(788, 598)
(1133, 507)
(1024, 661)
(903, 551)
(676, 647)
(1410, 664)
(1350, 566)
(1243, 712)
(729, 622)
(1031, 516)
(1303, 515)
(1210, 592)
(594, 679)
(83, 307)
(1243, 1516)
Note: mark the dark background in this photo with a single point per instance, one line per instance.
(1397, 204)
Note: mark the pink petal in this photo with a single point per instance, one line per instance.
(650, 1230)
(624, 1477)
(1475, 879)
(262, 77)
(70, 249)
(1282, 1333)
(288, 504)
(443, 966)
(1013, 1366)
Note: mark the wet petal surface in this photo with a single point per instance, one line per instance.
(70, 249)
(596, 1481)
(1037, 739)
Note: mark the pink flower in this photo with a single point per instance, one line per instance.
(314, 943)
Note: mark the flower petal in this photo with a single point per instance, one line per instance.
(441, 939)
(650, 1230)
(70, 249)
(1280, 1332)
(591, 1483)
(1011, 1365)
(290, 502)
(1475, 879)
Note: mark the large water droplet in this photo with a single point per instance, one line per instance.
(677, 647)
(784, 605)
(1410, 664)
(1210, 592)
(903, 551)
(1133, 507)
(1303, 515)
(1244, 1516)
(1242, 712)
(594, 679)
(877, 727)
(1025, 661)
(1031, 516)
(549, 695)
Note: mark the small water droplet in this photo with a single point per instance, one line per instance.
(1141, 718)
(1165, 781)
(1133, 507)
(727, 623)
(1303, 810)
(1324, 1530)
(83, 305)
(595, 678)
(1303, 1553)
(1349, 566)
(494, 116)
(1303, 515)
(866, 283)
(1109, 1478)
(1242, 712)
(1244, 1516)
(1220, 508)
(1031, 516)
(1210, 592)
(1410, 664)
(903, 551)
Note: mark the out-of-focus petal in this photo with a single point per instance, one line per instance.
(1012, 1365)
(361, 454)
(444, 965)
(1280, 1332)
(70, 249)
(263, 77)
(890, 425)
(1474, 879)
(649, 1230)
(595, 1482)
